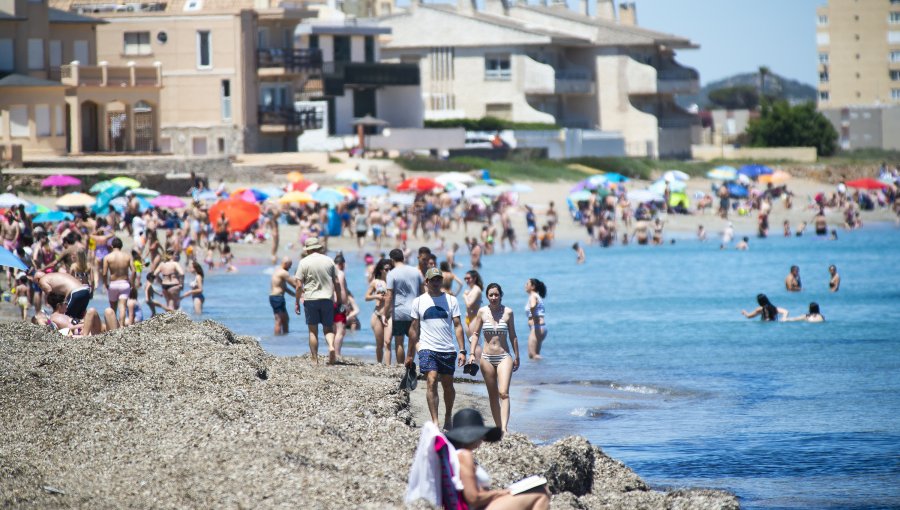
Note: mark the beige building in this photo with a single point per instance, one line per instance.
(230, 67)
(549, 64)
(56, 98)
(858, 52)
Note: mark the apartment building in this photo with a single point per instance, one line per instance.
(57, 99)
(858, 44)
(547, 63)
(230, 67)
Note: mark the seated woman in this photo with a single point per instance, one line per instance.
(812, 316)
(768, 311)
(467, 434)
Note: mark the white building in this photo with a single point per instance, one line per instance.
(549, 64)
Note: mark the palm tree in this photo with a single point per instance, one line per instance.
(764, 72)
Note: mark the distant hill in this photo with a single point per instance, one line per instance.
(778, 86)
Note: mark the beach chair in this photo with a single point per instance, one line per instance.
(434, 475)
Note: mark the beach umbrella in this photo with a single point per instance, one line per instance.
(777, 177)
(240, 214)
(9, 259)
(75, 200)
(101, 186)
(418, 184)
(351, 176)
(119, 203)
(8, 200)
(675, 175)
(659, 187)
(455, 177)
(328, 196)
(736, 190)
(249, 194)
(580, 196)
(744, 179)
(53, 217)
(373, 191)
(127, 182)
(402, 198)
(722, 173)
(296, 197)
(36, 209)
(60, 181)
(273, 192)
(866, 183)
(294, 176)
(144, 192)
(679, 198)
(303, 185)
(643, 195)
(168, 202)
(205, 195)
(611, 177)
(515, 188)
(754, 171)
(106, 196)
(481, 189)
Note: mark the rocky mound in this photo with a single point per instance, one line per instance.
(171, 413)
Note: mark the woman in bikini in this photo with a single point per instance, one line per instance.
(472, 297)
(376, 292)
(534, 311)
(171, 278)
(497, 324)
(196, 288)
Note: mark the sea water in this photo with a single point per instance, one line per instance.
(649, 357)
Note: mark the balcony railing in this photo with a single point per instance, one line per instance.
(289, 59)
(104, 75)
(306, 118)
(338, 74)
(571, 81)
(677, 73)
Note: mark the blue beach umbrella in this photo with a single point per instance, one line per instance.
(736, 190)
(373, 191)
(101, 186)
(328, 196)
(53, 217)
(106, 196)
(273, 192)
(36, 209)
(205, 196)
(614, 177)
(9, 259)
(754, 171)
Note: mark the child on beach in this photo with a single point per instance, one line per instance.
(579, 253)
(23, 295)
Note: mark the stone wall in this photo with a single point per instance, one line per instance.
(711, 152)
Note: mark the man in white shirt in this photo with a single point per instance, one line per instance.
(435, 321)
(318, 289)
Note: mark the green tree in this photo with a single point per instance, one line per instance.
(740, 97)
(783, 125)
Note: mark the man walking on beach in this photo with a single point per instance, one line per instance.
(404, 283)
(281, 278)
(435, 321)
(317, 287)
(118, 276)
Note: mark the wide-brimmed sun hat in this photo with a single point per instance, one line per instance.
(468, 427)
(312, 244)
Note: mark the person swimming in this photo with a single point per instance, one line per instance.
(813, 315)
(766, 309)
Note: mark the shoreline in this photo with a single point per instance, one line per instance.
(175, 413)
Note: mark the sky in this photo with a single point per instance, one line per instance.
(739, 36)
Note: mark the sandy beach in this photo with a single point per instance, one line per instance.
(172, 413)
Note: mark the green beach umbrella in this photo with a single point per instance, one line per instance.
(144, 192)
(126, 182)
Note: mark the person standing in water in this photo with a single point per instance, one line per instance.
(534, 311)
(766, 309)
(834, 280)
(814, 315)
(792, 280)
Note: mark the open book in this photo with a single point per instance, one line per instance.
(526, 484)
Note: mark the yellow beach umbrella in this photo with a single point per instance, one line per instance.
(126, 182)
(296, 197)
(75, 200)
(294, 176)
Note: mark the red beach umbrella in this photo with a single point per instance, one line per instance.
(240, 214)
(304, 185)
(418, 184)
(867, 183)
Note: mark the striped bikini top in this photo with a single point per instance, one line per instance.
(496, 329)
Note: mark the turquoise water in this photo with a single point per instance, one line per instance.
(649, 357)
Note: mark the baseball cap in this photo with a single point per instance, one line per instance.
(432, 272)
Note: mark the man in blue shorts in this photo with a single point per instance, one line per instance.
(318, 289)
(435, 321)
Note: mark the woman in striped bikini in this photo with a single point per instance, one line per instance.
(497, 324)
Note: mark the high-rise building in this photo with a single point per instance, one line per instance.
(858, 52)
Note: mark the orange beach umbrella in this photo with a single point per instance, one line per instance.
(239, 213)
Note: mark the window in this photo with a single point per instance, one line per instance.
(895, 56)
(822, 39)
(823, 77)
(18, 122)
(60, 120)
(262, 38)
(894, 18)
(313, 41)
(824, 95)
(341, 48)
(501, 111)
(80, 50)
(895, 75)
(823, 58)
(822, 19)
(894, 37)
(165, 145)
(204, 49)
(895, 94)
(220, 144)
(137, 43)
(442, 63)
(35, 54)
(370, 49)
(198, 145)
(55, 54)
(497, 68)
(226, 99)
(7, 55)
(42, 119)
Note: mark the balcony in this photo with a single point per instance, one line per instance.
(574, 81)
(104, 75)
(279, 61)
(282, 119)
(339, 74)
(678, 80)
